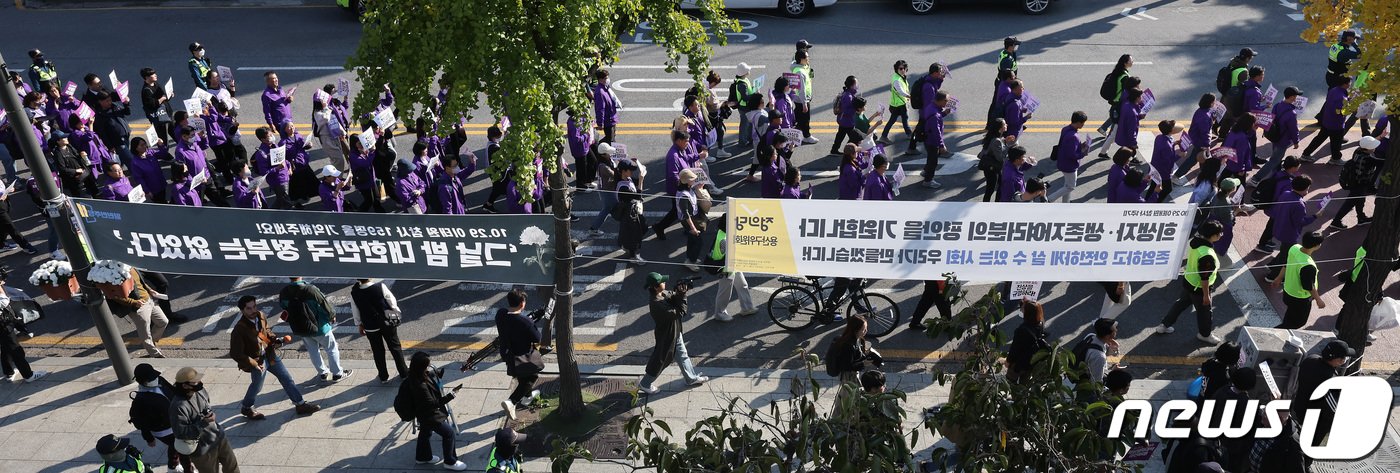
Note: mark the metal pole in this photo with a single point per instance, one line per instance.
(59, 217)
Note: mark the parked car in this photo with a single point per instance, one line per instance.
(1031, 7)
(791, 8)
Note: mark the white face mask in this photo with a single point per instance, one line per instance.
(155, 383)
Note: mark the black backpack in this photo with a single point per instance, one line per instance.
(1351, 174)
(1263, 194)
(1080, 352)
(916, 93)
(403, 403)
(300, 316)
(1109, 87)
(1223, 79)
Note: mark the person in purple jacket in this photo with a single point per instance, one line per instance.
(277, 106)
(846, 114)
(774, 167)
(792, 186)
(1238, 140)
(877, 186)
(1282, 134)
(449, 186)
(277, 175)
(1290, 214)
(410, 188)
(1122, 162)
(1129, 116)
(783, 105)
(1133, 189)
(933, 138)
(363, 175)
(182, 193)
(245, 194)
(851, 181)
(1015, 112)
(1254, 103)
(580, 137)
(1282, 181)
(1333, 126)
(1199, 137)
(605, 105)
(1070, 151)
(1013, 174)
(927, 85)
(216, 121)
(114, 185)
(146, 171)
(332, 189)
(1164, 156)
(680, 157)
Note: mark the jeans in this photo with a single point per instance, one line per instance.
(314, 344)
(1275, 160)
(426, 429)
(274, 365)
(682, 361)
(734, 284)
(1071, 178)
(379, 341)
(1296, 312)
(9, 162)
(900, 113)
(1188, 162)
(1190, 297)
(609, 200)
(745, 130)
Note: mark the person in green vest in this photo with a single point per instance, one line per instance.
(1299, 282)
(1340, 57)
(730, 282)
(899, 101)
(802, 65)
(1197, 281)
(1006, 58)
(739, 91)
(42, 72)
(199, 66)
(118, 456)
(505, 454)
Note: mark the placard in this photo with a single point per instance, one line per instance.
(1300, 103)
(385, 118)
(152, 136)
(199, 179)
(321, 96)
(202, 95)
(1217, 111)
(112, 78)
(70, 88)
(227, 98)
(277, 156)
(1223, 153)
(1268, 374)
(367, 139)
(123, 91)
(952, 105)
(793, 135)
(85, 112)
(194, 106)
(1148, 101)
(196, 124)
(794, 80)
(1025, 290)
(137, 194)
(1270, 95)
(170, 87)
(1184, 143)
(225, 74)
(1029, 104)
(342, 89)
(1263, 119)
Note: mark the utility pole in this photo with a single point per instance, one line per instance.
(59, 215)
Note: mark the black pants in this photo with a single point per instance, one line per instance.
(1351, 121)
(1334, 136)
(1279, 260)
(426, 429)
(1295, 313)
(164, 128)
(12, 355)
(900, 113)
(1190, 297)
(1356, 201)
(931, 155)
(372, 199)
(803, 114)
(173, 457)
(498, 189)
(993, 178)
(608, 133)
(387, 337)
(8, 230)
(587, 168)
(839, 289)
(1268, 234)
(841, 134)
(932, 296)
(524, 385)
(665, 222)
(224, 157)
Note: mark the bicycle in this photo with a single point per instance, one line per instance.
(800, 302)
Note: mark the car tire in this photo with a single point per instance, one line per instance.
(1035, 7)
(795, 8)
(922, 7)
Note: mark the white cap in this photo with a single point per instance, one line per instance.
(1370, 143)
(328, 171)
(743, 69)
(606, 149)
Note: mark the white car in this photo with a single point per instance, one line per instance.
(792, 8)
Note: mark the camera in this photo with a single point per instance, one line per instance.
(876, 358)
(687, 282)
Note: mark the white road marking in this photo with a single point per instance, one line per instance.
(1084, 63)
(1138, 15)
(458, 326)
(211, 323)
(1296, 16)
(290, 68)
(590, 282)
(620, 85)
(1288, 5)
(641, 36)
(343, 324)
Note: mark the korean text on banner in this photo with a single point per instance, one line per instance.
(978, 241)
(508, 249)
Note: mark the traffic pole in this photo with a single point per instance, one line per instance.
(59, 214)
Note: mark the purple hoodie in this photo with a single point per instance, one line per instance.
(1164, 156)
(114, 189)
(1253, 98)
(678, 160)
(1115, 176)
(771, 184)
(1201, 124)
(1015, 116)
(1286, 118)
(580, 138)
(1071, 150)
(1129, 115)
(1239, 141)
(784, 109)
(362, 166)
(146, 172)
(332, 199)
(850, 183)
(933, 124)
(262, 166)
(846, 107)
(410, 189)
(1332, 114)
(1013, 181)
(277, 107)
(1290, 215)
(246, 197)
(184, 194)
(1125, 194)
(604, 106)
(877, 187)
(192, 155)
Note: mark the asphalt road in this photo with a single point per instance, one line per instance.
(1178, 45)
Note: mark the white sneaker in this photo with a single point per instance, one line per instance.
(459, 466)
(1248, 208)
(432, 461)
(724, 317)
(715, 191)
(699, 380)
(1211, 339)
(36, 376)
(694, 268)
(177, 469)
(648, 389)
(749, 311)
(932, 184)
(1181, 181)
(509, 407)
(719, 153)
(810, 140)
(10, 378)
(637, 260)
(1163, 329)
(534, 396)
(1370, 337)
(595, 233)
(58, 255)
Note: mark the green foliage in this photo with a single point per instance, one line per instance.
(1035, 424)
(525, 59)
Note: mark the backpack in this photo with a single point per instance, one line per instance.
(916, 93)
(1109, 87)
(1223, 79)
(1080, 352)
(1351, 174)
(1273, 133)
(1263, 194)
(836, 104)
(300, 315)
(403, 403)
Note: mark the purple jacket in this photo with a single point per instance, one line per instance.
(87, 141)
(1253, 98)
(678, 160)
(114, 189)
(297, 155)
(246, 197)
(1164, 156)
(410, 189)
(262, 166)
(1015, 116)
(332, 198)
(850, 183)
(1286, 118)
(1071, 150)
(192, 155)
(1125, 194)
(1201, 124)
(771, 184)
(146, 172)
(214, 124)
(930, 89)
(1129, 114)
(877, 187)
(62, 110)
(933, 129)
(1013, 181)
(784, 109)
(1332, 115)
(184, 194)
(277, 107)
(1243, 159)
(604, 106)
(1115, 177)
(513, 204)
(847, 109)
(699, 135)
(580, 138)
(1290, 215)
(449, 193)
(362, 166)
(790, 192)
(1002, 94)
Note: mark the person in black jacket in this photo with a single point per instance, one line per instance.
(1312, 372)
(150, 413)
(668, 309)
(430, 410)
(70, 166)
(518, 336)
(110, 124)
(376, 312)
(156, 105)
(1029, 339)
(12, 357)
(1219, 368)
(849, 354)
(7, 226)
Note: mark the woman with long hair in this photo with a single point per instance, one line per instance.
(430, 410)
(1120, 72)
(1029, 339)
(993, 155)
(849, 353)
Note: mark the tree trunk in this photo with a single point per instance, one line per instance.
(1381, 248)
(570, 388)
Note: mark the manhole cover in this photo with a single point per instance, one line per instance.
(1386, 459)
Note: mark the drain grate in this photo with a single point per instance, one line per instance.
(1386, 459)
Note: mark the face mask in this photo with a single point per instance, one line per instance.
(607, 82)
(246, 174)
(195, 387)
(153, 383)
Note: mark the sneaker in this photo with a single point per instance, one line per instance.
(9, 246)
(720, 154)
(35, 376)
(252, 414)
(509, 407)
(306, 409)
(325, 376)
(491, 209)
(155, 354)
(1337, 225)
(595, 233)
(749, 311)
(753, 178)
(534, 396)
(637, 260)
(699, 380)
(692, 267)
(917, 326)
(932, 184)
(1102, 132)
(1363, 220)
(547, 349)
(9, 378)
(724, 317)
(1335, 162)
(457, 466)
(591, 186)
(383, 380)
(1105, 155)
(343, 374)
(710, 159)
(1163, 329)
(648, 389)
(58, 255)
(31, 251)
(715, 191)
(1211, 339)
(432, 461)
(810, 140)
(1263, 249)
(1370, 337)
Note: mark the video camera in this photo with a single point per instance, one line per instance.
(686, 283)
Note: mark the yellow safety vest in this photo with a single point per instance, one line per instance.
(508, 465)
(1334, 51)
(45, 74)
(140, 467)
(1002, 57)
(202, 66)
(806, 72)
(1193, 265)
(1297, 259)
(898, 82)
(743, 99)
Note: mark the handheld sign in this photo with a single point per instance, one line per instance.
(367, 139)
(321, 96)
(198, 179)
(952, 105)
(1300, 103)
(225, 73)
(505, 124)
(137, 194)
(1263, 119)
(70, 88)
(292, 92)
(758, 83)
(1366, 109)
(1148, 101)
(794, 80)
(1217, 111)
(1030, 104)
(793, 135)
(169, 87)
(342, 89)
(1326, 199)
(619, 151)
(197, 124)
(227, 98)
(1029, 290)
(1268, 375)
(1184, 144)
(85, 112)
(277, 156)
(123, 90)
(152, 137)
(112, 78)
(899, 175)
(194, 106)
(1224, 153)
(385, 119)
(202, 95)
(1270, 95)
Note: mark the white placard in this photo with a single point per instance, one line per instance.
(257, 183)
(202, 95)
(342, 89)
(1028, 290)
(225, 74)
(1217, 111)
(85, 112)
(170, 87)
(1366, 109)
(1270, 95)
(137, 195)
(152, 137)
(1029, 104)
(1268, 374)
(367, 139)
(70, 88)
(227, 98)
(199, 179)
(793, 135)
(277, 156)
(385, 118)
(112, 78)
(321, 96)
(197, 124)
(194, 106)
(1300, 103)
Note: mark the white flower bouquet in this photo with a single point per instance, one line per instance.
(534, 236)
(109, 272)
(51, 273)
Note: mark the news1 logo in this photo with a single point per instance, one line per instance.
(1358, 424)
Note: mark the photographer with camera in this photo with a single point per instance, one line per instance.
(11, 327)
(519, 345)
(198, 434)
(667, 310)
(253, 345)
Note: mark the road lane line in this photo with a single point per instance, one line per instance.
(1084, 63)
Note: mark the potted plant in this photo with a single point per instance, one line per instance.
(112, 277)
(56, 279)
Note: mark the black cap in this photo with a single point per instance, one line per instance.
(1337, 349)
(146, 373)
(111, 444)
(34, 53)
(1248, 52)
(508, 436)
(1291, 91)
(1010, 41)
(195, 46)
(803, 45)
(625, 164)
(1348, 34)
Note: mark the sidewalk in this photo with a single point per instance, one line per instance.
(53, 424)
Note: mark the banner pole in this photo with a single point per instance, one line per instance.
(59, 214)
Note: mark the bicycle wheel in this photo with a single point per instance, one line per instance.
(880, 312)
(793, 307)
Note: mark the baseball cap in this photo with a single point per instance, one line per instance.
(743, 69)
(35, 53)
(655, 279)
(1248, 52)
(1337, 349)
(605, 148)
(146, 373)
(1370, 143)
(625, 164)
(1229, 184)
(803, 45)
(1348, 34)
(110, 443)
(188, 375)
(1291, 91)
(687, 176)
(328, 171)
(195, 46)
(1010, 40)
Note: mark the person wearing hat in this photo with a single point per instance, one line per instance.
(668, 309)
(1360, 177)
(1300, 282)
(802, 99)
(326, 127)
(12, 357)
(1164, 156)
(692, 216)
(1283, 133)
(118, 456)
(1222, 208)
(42, 72)
(1312, 372)
(505, 455)
(632, 221)
(199, 65)
(1007, 57)
(1340, 57)
(150, 413)
(680, 157)
(1197, 281)
(740, 92)
(605, 173)
(198, 434)
(410, 187)
(254, 347)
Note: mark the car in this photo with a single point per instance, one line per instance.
(1031, 7)
(789, 8)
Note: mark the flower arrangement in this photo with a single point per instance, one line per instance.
(109, 272)
(534, 236)
(51, 273)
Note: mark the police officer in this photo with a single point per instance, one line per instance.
(1007, 57)
(1197, 281)
(505, 456)
(1340, 57)
(199, 65)
(1299, 281)
(42, 73)
(118, 456)
(739, 91)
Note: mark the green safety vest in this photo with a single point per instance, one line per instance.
(45, 74)
(140, 467)
(717, 253)
(1002, 57)
(508, 466)
(1357, 262)
(1193, 265)
(202, 66)
(1297, 259)
(1334, 51)
(896, 81)
(806, 72)
(743, 99)
(1235, 75)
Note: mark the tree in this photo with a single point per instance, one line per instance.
(527, 60)
(1375, 21)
